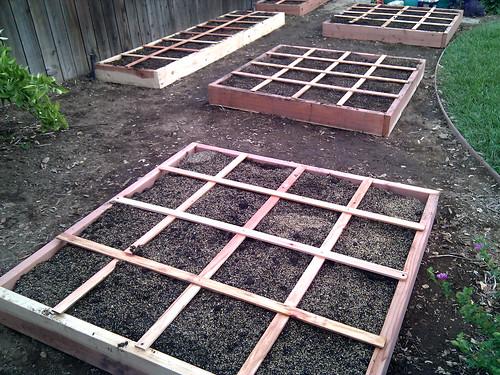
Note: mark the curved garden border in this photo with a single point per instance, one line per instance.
(455, 130)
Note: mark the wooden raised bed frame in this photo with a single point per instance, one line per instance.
(422, 17)
(104, 349)
(298, 8)
(339, 115)
(199, 58)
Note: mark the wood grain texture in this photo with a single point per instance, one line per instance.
(57, 36)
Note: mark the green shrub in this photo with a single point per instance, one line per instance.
(30, 92)
(491, 6)
(481, 348)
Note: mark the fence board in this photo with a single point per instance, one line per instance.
(57, 36)
(142, 16)
(101, 35)
(75, 37)
(8, 24)
(61, 40)
(122, 24)
(45, 39)
(25, 27)
(86, 27)
(111, 26)
(133, 23)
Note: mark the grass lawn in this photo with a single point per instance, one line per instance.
(470, 84)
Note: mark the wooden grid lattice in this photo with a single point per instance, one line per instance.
(79, 338)
(291, 7)
(433, 27)
(369, 99)
(165, 60)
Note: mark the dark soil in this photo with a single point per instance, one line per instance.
(124, 60)
(381, 86)
(439, 20)
(299, 75)
(118, 133)
(368, 22)
(349, 68)
(371, 102)
(261, 69)
(153, 63)
(281, 88)
(50, 282)
(440, 29)
(146, 51)
(242, 82)
(326, 54)
(361, 58)
(334, 80)
(392, 73)
(400, 25)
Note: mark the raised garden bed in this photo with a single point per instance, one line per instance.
(291, 7)
(201, 264)
(430, 27)
(162, 62)
(343, 89)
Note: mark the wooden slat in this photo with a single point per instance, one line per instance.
(221, 288)
(299, 199)
(385, 66)
(47, 46)
(87, 28)
(282, 71)
(395, 315)
(273, 331)
(82, 62)
(123, 25)
(8, 24)
(133, 23)
(321, 85)
(395, 187)
(112, 31)
(360, 81)
(90, 343)
(304, 89)
(332, 73)
(26, 30)
(142, 15)
(101, 34)
(274, 240)
(61, 39)
(98, 277)
(192, 290)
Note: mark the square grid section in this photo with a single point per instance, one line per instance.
(344, 89)
(432, 27)
(165, 60)
(291, 7)
(107, 350)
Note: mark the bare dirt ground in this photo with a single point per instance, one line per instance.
(118, 133)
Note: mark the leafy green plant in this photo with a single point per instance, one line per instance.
(491, 6)
(481, 348)
(30, 92)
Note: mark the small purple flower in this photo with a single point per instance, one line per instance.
(478, 246)
(442, 276)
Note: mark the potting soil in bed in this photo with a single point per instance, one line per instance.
(216, 332)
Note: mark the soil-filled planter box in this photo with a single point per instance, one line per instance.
(162, 62)
(342, 89)
(429, 27)
(291, 7)
(219, 261)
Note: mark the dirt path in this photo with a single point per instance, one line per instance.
(120, 132)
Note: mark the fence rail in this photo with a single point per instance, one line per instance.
(57, 37)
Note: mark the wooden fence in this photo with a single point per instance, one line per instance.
(57, 37)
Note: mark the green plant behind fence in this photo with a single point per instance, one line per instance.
(30, 92)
